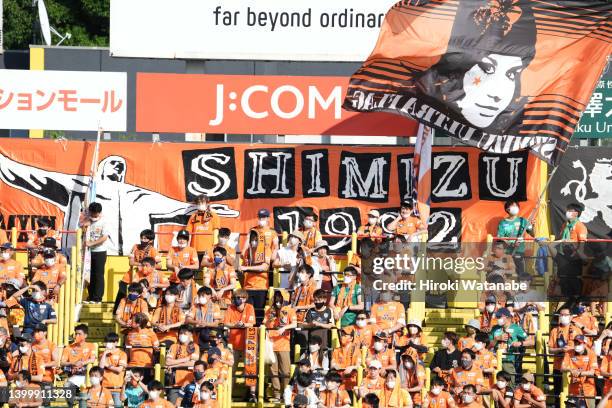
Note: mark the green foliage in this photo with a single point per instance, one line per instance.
(86, 20)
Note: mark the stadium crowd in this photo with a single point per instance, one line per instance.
(201, 305)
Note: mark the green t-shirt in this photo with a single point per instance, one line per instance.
(350, 317)
(516, 333)
(513, 228)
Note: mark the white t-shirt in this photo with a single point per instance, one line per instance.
(97, 230)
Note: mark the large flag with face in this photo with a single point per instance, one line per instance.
(501, 75)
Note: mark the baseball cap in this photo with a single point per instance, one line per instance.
(263, 213)
(7, 245)
(491, 299)
(40, 328)
(580, 338)
(214, 351)
(375, 364)
(503, 312)
(528, 377)
(13, 282)
(49, 242)
(25, 337)
(381, 335)
(474, 323)
(182, 234)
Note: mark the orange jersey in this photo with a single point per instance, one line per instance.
(285, 316)
(584, 362)
(332, 399)
(233, 316)
(183, 376)
(127, 310)
(372, 385)
(11, 269)
(165, 315)
(201, 227)
(146, 339)
(370, 231)
(256, 280)
(347, 356)
(303, 295)
(606, 365)
(49, 275)
(413, 379)
(75, 353)
(536, 394)
(158, 403)
(182, 258)
(442, 400)
(311, 236)
(388, 314)
(466, 342)
(99, 398)
(386, 358)
(111, 380)
(460, 377)
(60, 259)
(577, 234)
(45, 350)
(139, 254)
(568, 333)
(219, 278)
(208, 313)
(37, 240)
(395, 398)
(408, 226)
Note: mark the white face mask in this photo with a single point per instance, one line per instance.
(308, 224)
(313, 348)
(565, 320)
(253, 244)
(303, 277)
(202, 207)
(579, 348)
(391, 384)
(23, 349)
(501, 321)
(182, 245)
(436, 391)
(467, 398)
(569, 215)
(154, 395)
(184, 338)
(490, 308)
(409, 365)
(94, 219)
(372, 220)
(263, 222)
(348, 279)
(19, 384)
(50, 261)
(293, 241)
(413, 330)
(361, 323)
(109, 346)
(94, 380)
(204, 395)
(514, 210)
(170, 299)
(478, 346)
(501, 384)
(379, 345)
(6, 256)
(38, 296)
(526, 386)
(203, 300)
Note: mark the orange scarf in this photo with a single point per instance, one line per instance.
(174, 315)
(344, 296)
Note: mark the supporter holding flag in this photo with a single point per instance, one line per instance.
(447, 358)
(156, 399)
(560, 341)
(412, 378)
(382, 351)
(467, 374)
(501, 392)
(187, 289)
(280, 320)
(130, 306)
(142, 341)
(581, 363)
(221, 278)
(346, 359)
(302, 297)
(334, 395)
(189, 392)
(324, 265)
(310, 232)
(75, 359)
(180, 359)
(469, 398)
(346, 298)
(113, 362)
(97, 241)
(201, 226)
(437, 397)
(36, 309)
(51, 274)
(372, 228)
(49, 355)
(98, 396)
(363, 330)
(472, 328)
(509, 337)
(24, 358)
(9, 267)
(181, 256)
(373, 382)
(286, 258)
(527, 395)
(204, 315)
(134, 391)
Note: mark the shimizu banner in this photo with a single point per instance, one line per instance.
(296, 30)
(63, 100)
(501, 75)
(151, 186)
(259, 104)
(584, 178)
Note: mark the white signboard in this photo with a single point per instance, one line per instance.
(63, 100)
(296, 30)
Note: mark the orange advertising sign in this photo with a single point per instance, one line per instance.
(255, 104)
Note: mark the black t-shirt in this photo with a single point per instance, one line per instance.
(324, 316)
(446, 360)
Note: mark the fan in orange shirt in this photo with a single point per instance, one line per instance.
(389, 316)
(10, 268)
(143, 341)
(407, 224)
(36, 238)
(311, 233)
(471, 328)
(99, 397)
(224, 235)
(181, 357)
(155, 397)
(527, 395)
(47, 351)
(347, 358)
(113, 362)
(168, 317)
(48, 244)
(412, 378)
(221, 278)
(201, 226)
(131, 305)
(437, 397)
(51, 274)
(373, 382)
(394, 395)
(181, 256)
(372, 228)
(381, 351)
(581, 363)
(334, 395)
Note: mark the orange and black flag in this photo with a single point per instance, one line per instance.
(501, 75)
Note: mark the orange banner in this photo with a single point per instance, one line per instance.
(151, 186)
(255, 104)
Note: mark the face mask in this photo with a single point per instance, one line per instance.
(19, 384)
(6, 256)
(182, 245)
(308, 224)
(331, 386)
(501, 384)
(372, 220)
(203, 300)
(526, 387)
(565, 320)
(198, 375)
(361, 323)
(319, 305)
(144, 243)
(218, 260)
(579, 348)
(569, 215)
(436, 391)
(170, 298)
(313, 348)
(466, 364)
(490, 308)
(253, 244)
(132, 297)
(202, 207)
(391, 384)
(501, 321)
(303, 277)
(238, 301)
(405, 214)
(23, 349)
(467, 398)
(409, 365)
(204, 395)
(478, 346)
(49, 261)
(154, 395)
(413, 330)
(293, 241)
(94, 219)
(278, 304)
(581, 309)
(378, 346)
(94, 380)
(38, 296)
(348, 279)
(263, 222)
(183, 338)
(513, 210)
(109, 346)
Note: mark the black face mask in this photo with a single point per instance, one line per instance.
(238, 301)
(41, 232)
(210, 360)
(319, 305)
(198, 375)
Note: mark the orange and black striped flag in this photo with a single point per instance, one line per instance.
(501, 75)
